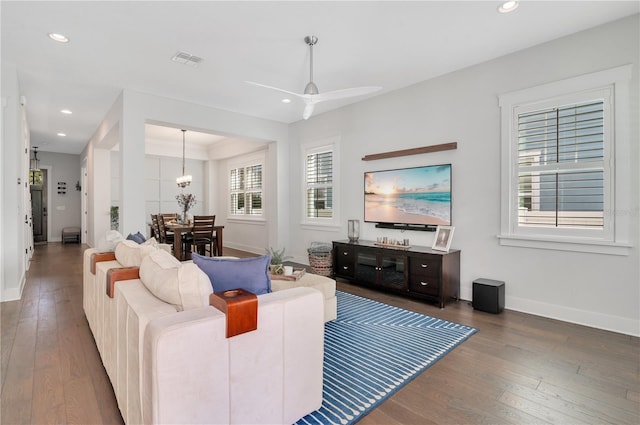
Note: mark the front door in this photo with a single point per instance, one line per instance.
(39, 206)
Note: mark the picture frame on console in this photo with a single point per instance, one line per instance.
(442, 240)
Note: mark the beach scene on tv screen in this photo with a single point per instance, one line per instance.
(419, 195)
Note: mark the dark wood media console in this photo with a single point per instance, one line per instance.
(418, 271)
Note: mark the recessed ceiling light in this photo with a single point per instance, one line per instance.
(508, 6)
(66, 111)
(286, 100)
(62, 135)
(58, 37)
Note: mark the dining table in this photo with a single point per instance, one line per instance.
(180, 229)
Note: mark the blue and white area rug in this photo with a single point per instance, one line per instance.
(372, 350)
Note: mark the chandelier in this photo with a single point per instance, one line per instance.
(184, 180)
(34, 164)
(35, 175)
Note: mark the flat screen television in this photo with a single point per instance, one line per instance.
(411, 198)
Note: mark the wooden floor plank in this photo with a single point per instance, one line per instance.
(518, 369)
(48, 404)
(617, 412)
(81, 406)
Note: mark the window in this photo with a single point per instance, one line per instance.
(35, 177)
(561, 168)
(319, 184)
(320, 190)
(246, 191)
(560, 150)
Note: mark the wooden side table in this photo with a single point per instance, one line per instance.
(240, 307)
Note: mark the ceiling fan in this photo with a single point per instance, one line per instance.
(311, 95)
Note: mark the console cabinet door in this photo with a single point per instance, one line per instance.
(367, 266)
(392, 271)
(381, 269)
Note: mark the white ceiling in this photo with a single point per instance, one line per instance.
(117, 45)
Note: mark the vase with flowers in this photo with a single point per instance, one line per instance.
(186, 201)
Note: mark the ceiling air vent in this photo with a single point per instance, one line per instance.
(187, 59)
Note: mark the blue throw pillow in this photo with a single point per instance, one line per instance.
(135, 238)
(251, 274)
(141, 237)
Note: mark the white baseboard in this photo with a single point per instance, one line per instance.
(13, 294)
(247, 248)
(573, 315)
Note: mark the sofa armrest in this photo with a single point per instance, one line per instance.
(97, 257)
(116, 275)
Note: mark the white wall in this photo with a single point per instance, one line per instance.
(64, 210)
(14, 188)
(247, 234)
(592, 289)
(160, 187)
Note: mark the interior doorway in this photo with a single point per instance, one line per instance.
(38, 188)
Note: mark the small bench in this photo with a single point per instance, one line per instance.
(71, 234)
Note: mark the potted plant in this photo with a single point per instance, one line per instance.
(277, 258)
(186, 201)
(115, 217)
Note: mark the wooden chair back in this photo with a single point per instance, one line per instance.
(155, 228)
(166, 235)
(203, 233)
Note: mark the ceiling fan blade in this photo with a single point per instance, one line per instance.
(341, 94)
(308, 110)
(277, 89)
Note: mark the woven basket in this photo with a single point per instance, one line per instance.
(321, 263)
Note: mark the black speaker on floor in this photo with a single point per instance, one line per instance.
(488, 295)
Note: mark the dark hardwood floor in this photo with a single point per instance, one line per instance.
(518, 369)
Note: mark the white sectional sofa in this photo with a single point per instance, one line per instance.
(166, 353)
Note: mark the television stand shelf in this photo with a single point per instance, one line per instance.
(417, 272)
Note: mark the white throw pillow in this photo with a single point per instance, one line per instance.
(151, 242)
(109, 241)
(130, 254)
(181, 284)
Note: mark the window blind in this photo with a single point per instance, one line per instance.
(245, 185)
(561, 166)
(319, 181)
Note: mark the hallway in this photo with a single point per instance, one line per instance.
(51, 370)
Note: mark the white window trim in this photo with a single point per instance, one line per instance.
(258, 158)
(616, 241)
(329, 224)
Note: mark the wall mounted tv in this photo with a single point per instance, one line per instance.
(416, 198)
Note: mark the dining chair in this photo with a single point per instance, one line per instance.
(155, 228)
(166, 235)
(202, 235)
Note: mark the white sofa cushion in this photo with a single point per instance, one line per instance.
(130, 254)
(181, 284)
